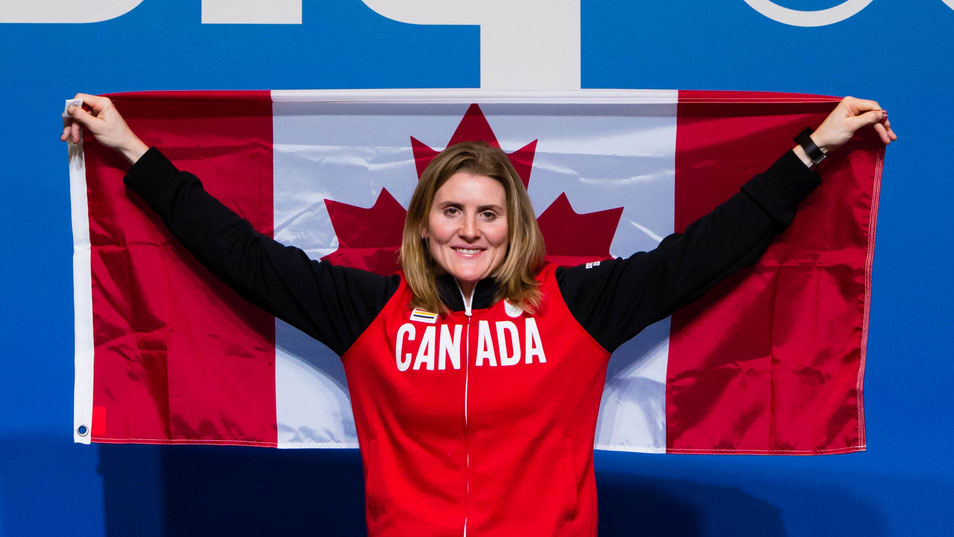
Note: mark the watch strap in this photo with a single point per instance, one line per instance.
(814, 152)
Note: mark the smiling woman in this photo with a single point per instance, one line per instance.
(476, 373)
(471, 217)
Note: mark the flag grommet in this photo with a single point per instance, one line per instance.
(82, 430)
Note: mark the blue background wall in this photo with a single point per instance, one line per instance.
(897, 52)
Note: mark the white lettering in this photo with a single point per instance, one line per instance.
(513, 357)
(443, 345)
(485, 345)
(821, 17)
(65, 11)
(450, 347)
(534, 345)
(425, 352)
(552, 42)
(524, 44)
(251, 12)
(406, 330)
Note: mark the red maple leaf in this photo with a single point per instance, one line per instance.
(474, 127)
(371, 238)
(573, 238)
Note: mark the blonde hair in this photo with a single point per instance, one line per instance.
(525, 250)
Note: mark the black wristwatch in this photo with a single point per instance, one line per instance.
(814, 152)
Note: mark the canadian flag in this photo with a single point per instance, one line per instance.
(769, 361)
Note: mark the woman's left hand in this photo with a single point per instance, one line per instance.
(850, 115)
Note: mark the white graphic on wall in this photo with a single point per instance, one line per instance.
(75, 11)
(821, 17)
(547, 33)
(524, 44)
(251, 12)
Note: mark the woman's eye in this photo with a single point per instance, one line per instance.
(451, 211)
(488, 215)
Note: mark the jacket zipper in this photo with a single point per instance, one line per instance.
(468, 303)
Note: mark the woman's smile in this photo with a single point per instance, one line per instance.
(467, 228)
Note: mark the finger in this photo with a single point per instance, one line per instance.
(66, 133)
(863, 105)
(891, 133)
(77, 114)
(868, 118)
(887, 125)
(882, 133)
(95, 102)
(75, 132)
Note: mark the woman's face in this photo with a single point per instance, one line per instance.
(467, 228)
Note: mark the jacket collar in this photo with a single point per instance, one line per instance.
(485, 293)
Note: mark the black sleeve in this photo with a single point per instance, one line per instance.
(332, 304)
(616, 299)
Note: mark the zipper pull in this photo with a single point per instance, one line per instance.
(468, 301)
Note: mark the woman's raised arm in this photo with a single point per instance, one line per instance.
(619, 297)
(332, 304)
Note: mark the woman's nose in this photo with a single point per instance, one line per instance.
(469, 229)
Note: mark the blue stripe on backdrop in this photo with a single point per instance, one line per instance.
(889, 50)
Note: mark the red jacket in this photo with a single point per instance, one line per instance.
(478, 424)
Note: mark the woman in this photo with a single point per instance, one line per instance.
(476, 374)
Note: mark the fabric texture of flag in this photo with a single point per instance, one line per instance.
(770, 361)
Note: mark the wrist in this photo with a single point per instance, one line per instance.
(800, 153)
(134, 151)
(808, 151)
(819, 142)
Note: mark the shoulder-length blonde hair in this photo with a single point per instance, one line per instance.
(525, 249)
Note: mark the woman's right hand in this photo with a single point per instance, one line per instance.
(105, 123)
